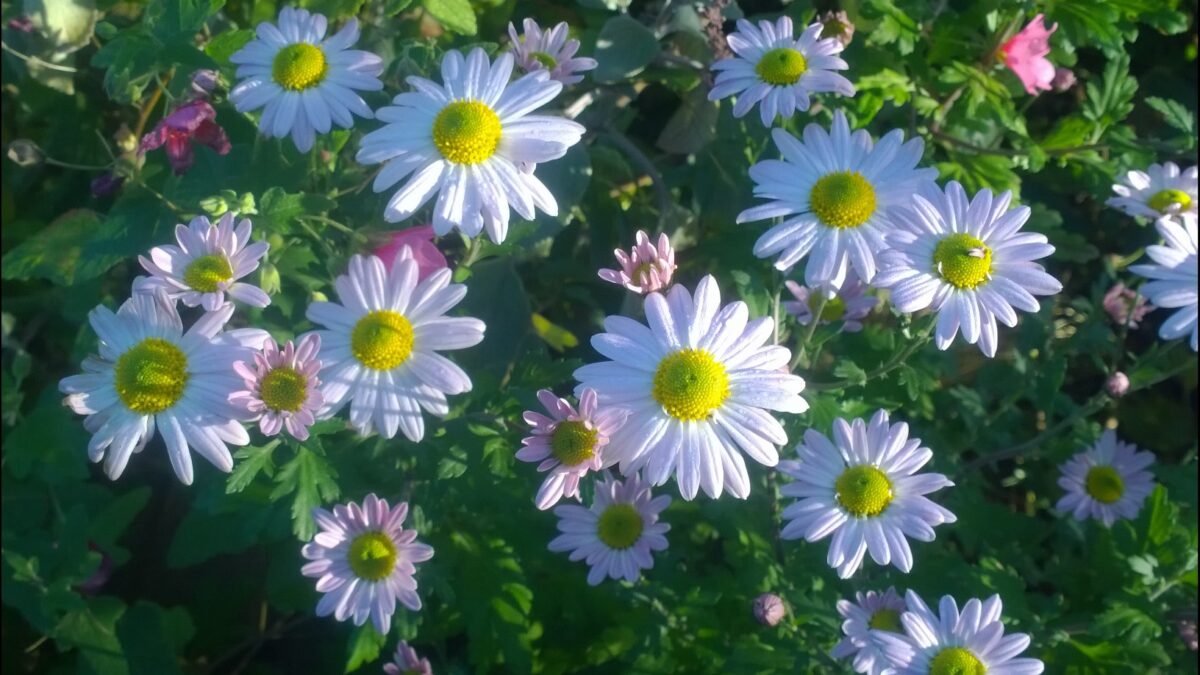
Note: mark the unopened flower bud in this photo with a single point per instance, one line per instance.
(24, 152)
(268, 278)
(1063, 80)
(105, 184)
(214, 206)
(1117, 384)
(769, 609)
(125, 139)
(317, 296)
(246, 205)
(1187, 633)
(837, 25)
(205, 81)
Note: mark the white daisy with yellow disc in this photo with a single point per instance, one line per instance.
(473, 143)
(967, 259)
(1161, 191)
(1107, 482)
(777, 71)
(380, 344)
(836, 191)
(304, 82)
(697, 384)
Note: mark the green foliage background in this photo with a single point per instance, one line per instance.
(207, 577)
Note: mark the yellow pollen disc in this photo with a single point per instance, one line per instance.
(835, 307)
(151, 376)
(284, 389)
(690, 384)
(382, 340)
(956, 661)
(466, 132)
(545, 59)
(572, 442)
(1165, 199)
(842, 199)
(1104, 484)
(962, 260)
(372, 556)
(620, 526)
(781, 66)
(207, 273)
(864, 491)
(299, 66)
(886, 619)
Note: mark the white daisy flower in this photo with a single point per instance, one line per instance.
(206, 264)
(870, 612)
(617, 535)
(1173, 277)
(379, 347)
(836, 190)
(1161, 191)
(949, 642)
(777, 71)
(968, 261)
(1107, 481)
(850, 304)
(697, 384)
(305, 81)
(471, 141)
(550, 51)
(364, 562)
(863, 488)
(151, 375)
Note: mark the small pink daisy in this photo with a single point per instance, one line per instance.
(646, 268)
(408, 662)
(282, 386)
(568, 443)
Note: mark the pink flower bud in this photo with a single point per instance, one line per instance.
(769, 609)
(420, 241)
(646, 268)
(1063, 80)
(1117, 384)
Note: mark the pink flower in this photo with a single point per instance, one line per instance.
(420, 241)
(850, 304)
(408, 662)
(193, 121)
(1119, 302)
(646, 268)
(282, 386)
(1025, 54)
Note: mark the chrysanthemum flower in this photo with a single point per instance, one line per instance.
(364, 561)
(836, 190)
(420, 239)
(870, 612)
(1161, 191)
(967, 259)
(863, 488)
(850, 304)
(306, 82)
(777, 71)
(407, 662)
(949, 642)
(697, 383)
(471, 141)
(618, 533)
(193, 121)
(568, 444)
(282, 389)
(1025, 54)
(549, 50)
(208, 263)
(150, 375)
(648, 267)
(1173, 277)
(379, 347)
(1107, 481)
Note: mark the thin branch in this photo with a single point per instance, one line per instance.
(35, 61)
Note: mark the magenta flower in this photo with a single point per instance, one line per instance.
(192, 121)
(1120, 302)
(420, 241)
(407, 662)
(282, 386)
(568, 444)
(1025, 54)
(646, 268)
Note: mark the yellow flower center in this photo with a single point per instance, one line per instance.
(864, 490)
(382, 340)
(956, 661)
(843, 199)
(962, 260)
(782, 66)
(886, 619)
(690, 384)
(545, 59)
(151, 376)
(620, 526)
(572, 442)
(284, 389)
(1104, 484)
(466, 132)
(834, 309)
(1165, 199)
(299, 66)
(372, 556)
(207, 273)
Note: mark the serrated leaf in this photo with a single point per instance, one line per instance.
(311, 479)
(456, 15)
(364, 647)
(223, 46)
(851, 372)
(1174, 114)
(254, 460)
(53, 252)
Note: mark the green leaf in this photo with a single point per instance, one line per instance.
(456, 15)
(624, 48)
(312, 479)
(1126, 623)
(53, 252)
(223, 46)
(1111, 100)
(1163, 515)
(336, 10)
(365, 645)
(1174, 114)
(93, 632)
(111, 521)
(850, 371)
(152, 638)
(68, 24)
(254, 460)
